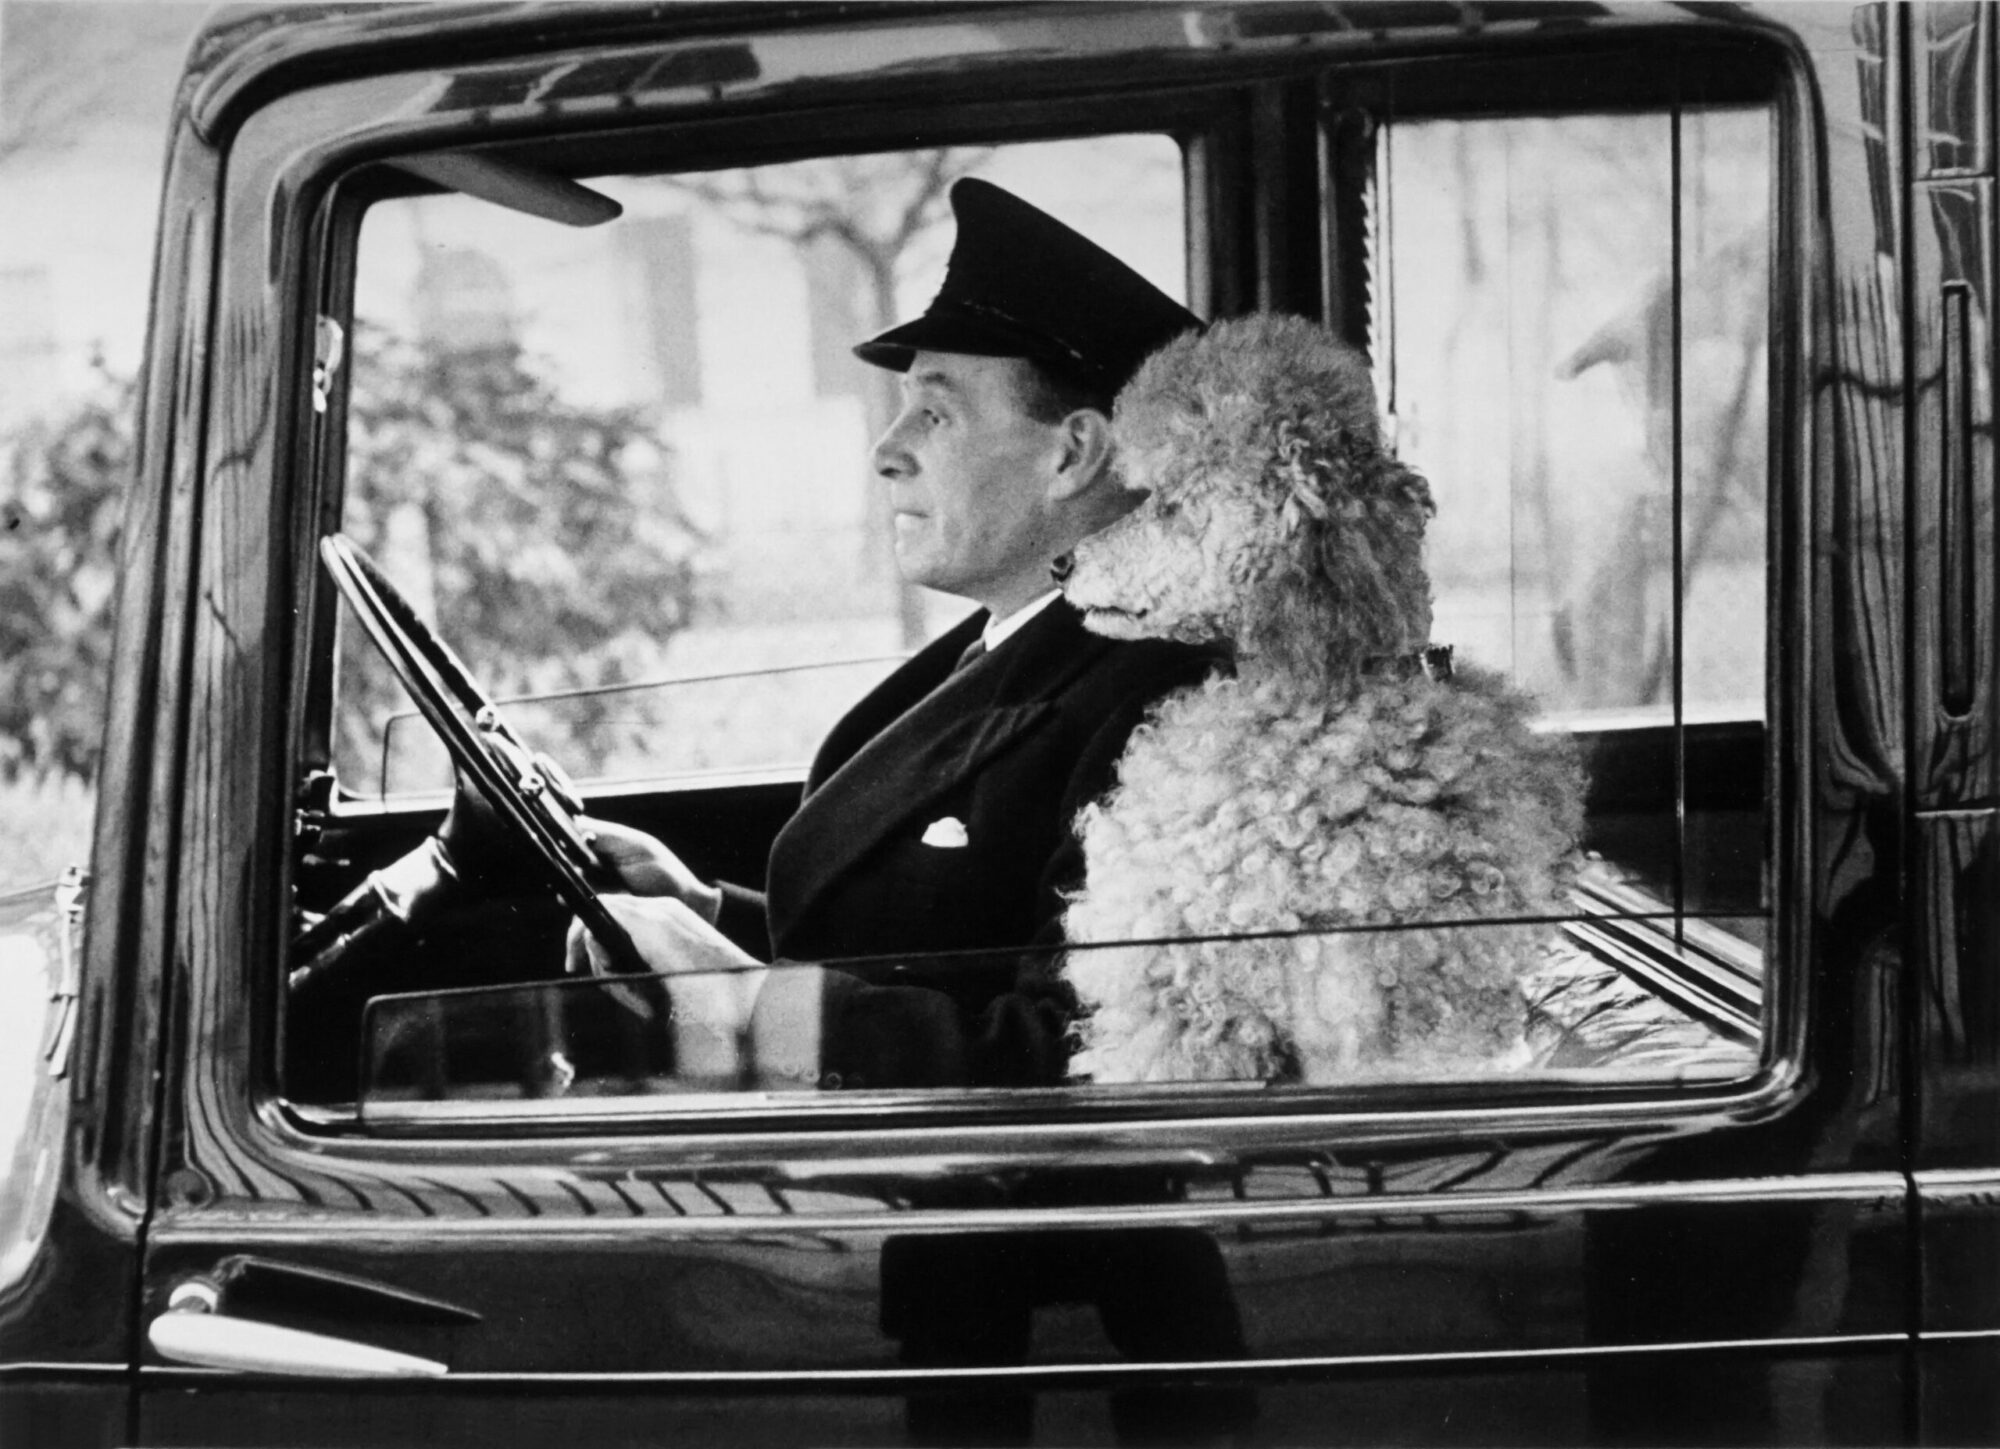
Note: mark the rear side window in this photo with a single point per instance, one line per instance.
(1576, 356)
(1573, 346)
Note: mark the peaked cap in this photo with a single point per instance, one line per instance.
(1021, 284)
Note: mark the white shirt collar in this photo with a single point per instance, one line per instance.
(997, 631)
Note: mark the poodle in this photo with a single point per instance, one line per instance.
(1341, 776)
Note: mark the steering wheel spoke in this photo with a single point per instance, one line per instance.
(542, 785)
(527, 793)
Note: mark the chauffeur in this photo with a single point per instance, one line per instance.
(937, 815)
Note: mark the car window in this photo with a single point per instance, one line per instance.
(40, 945)
(1584, 387)
(1574, 352)
(625, 468)
(1569, 338)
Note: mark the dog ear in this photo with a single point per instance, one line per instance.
(1357, 588)
(1370, 562)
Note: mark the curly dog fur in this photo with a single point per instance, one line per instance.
(1324, 784)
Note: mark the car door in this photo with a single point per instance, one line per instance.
(1689, 1219)
(1951, 215)
(82, 949)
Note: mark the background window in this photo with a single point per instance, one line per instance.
(1535, 289)
(1574, 352)
(625, 468)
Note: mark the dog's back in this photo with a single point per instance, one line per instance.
(1258, 806)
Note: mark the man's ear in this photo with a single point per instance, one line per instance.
(1084, 460)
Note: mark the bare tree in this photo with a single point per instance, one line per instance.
(1546, 215)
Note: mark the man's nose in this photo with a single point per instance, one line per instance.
(889, 461)
(889, 457)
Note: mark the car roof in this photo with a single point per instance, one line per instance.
(244, 52)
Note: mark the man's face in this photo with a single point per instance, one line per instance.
(968, 472)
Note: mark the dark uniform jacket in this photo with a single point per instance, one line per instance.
(1011, 747)
(1000, 755)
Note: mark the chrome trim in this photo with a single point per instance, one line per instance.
(71, 894)
(1175, 1367)
(191, 1333)
(1886, 1190)
(320, 1141)
(88, 1370)
(1958, 1182)
(655, 1113)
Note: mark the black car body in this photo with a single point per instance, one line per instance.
(1804, 1248)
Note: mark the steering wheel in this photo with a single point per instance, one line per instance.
(532, 798)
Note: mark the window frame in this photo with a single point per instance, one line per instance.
(1694, 71)
(1214, 127)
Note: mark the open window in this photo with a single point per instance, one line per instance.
(621, 465)
(623, 468)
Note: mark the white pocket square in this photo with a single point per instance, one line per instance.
(946, 834)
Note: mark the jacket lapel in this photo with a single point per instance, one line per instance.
(921, 673)
(874, 786)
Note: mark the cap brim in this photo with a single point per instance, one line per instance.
(976, 337)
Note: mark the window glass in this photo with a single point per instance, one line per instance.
(1575, 355)
(1587, 400)
(625, 468)
(40, 936)
(798, 1034)
(627, 472)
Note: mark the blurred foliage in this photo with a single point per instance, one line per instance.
(59, 525)
(540, 536)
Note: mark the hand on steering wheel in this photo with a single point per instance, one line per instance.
(642, 866)
(500, 782)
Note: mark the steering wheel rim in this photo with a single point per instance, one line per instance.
(484, 749)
